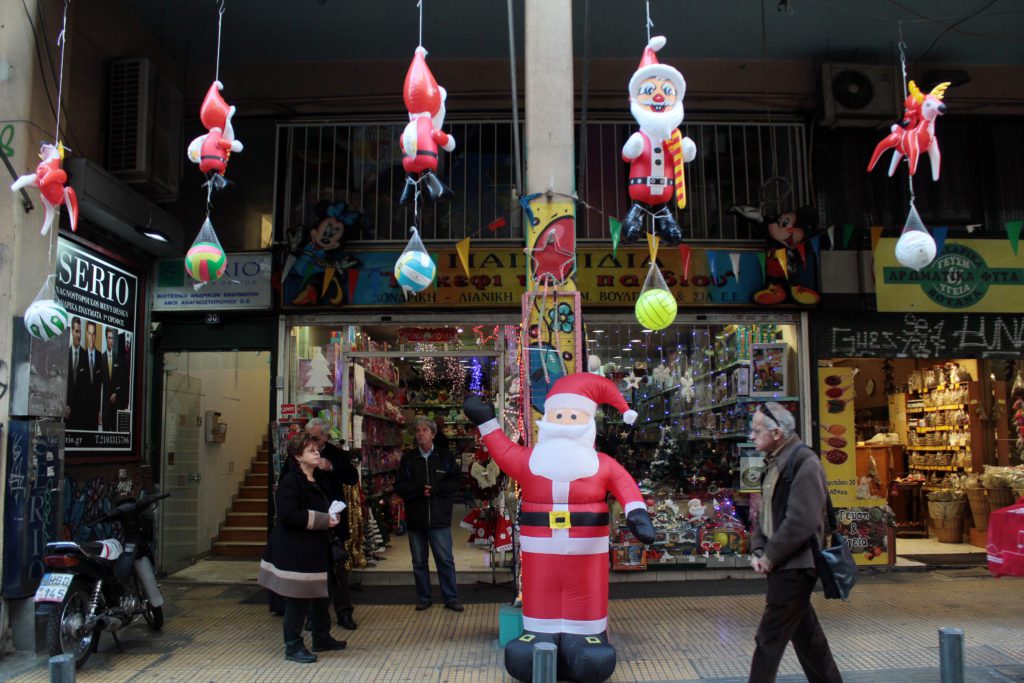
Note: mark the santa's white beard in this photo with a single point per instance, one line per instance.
(564, 452)
(658, 126)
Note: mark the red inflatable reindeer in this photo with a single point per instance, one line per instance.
(916, 132)
(50, 178)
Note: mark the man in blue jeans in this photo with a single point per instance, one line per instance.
(428, 479)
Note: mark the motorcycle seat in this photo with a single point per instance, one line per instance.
(109, 549)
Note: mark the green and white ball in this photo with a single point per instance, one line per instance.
(205, 261)
(46, 319)
(415, 270)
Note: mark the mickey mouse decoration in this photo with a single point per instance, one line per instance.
(785, 253)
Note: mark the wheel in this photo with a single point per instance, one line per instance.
(154, 617)
(65, 632)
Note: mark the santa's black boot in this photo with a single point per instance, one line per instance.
(633, 224)
(666, 228)
(436, 190)
(408, 191)
(586, 659)
(519, 653)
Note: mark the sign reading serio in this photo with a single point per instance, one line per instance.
(969, 275)
(102, 300)
(245, 284)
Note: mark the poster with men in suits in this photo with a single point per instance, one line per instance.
(101, 298)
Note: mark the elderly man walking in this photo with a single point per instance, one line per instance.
(793, 500)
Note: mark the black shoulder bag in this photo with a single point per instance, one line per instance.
(834, 564)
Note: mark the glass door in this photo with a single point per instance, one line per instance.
(182, 427)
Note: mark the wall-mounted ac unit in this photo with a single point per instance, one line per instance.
(859, 95)
(145, 126)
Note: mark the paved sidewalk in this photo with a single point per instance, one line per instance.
(886, 634)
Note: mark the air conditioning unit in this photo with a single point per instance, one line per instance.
(145, 127)
(859, 95)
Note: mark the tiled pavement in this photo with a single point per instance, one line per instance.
(886, 634)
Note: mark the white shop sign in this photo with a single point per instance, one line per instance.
(245, 284)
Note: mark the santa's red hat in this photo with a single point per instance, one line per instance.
(649, 66)
(584, 391)
(421, 92)
(214, 111)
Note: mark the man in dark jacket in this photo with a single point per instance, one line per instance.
(792, 513)
(336, 462)
(428, 479)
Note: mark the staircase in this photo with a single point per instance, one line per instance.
(244, 532)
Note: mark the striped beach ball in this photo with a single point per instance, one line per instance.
(656, 309)
(415, 270)
(205, 261)
(46, 319)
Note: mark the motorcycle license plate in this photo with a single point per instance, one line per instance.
(53, 587)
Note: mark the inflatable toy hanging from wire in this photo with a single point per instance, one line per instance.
(51, 180)
(914, 134)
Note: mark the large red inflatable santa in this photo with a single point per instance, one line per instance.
(424, 100)
(564, 525)
(656, 153)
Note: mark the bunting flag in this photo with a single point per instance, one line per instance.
(847, 234)
(684, 256)
(831, 237)
(876, 234)
(353, 280)
(1013, 234)
(734, 257)
(652, 245)
(761, 259)
(816, 247)
(939, 235)
(712, 268)
(615, 228)
(462, 248)
(801, 248)
(783, 259)
(498, 222)
(524, 202)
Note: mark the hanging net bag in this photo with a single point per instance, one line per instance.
(414, 269)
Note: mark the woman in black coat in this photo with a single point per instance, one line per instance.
(298, 555)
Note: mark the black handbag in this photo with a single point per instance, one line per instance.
(836, 567)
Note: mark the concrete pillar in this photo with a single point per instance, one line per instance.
(549, 96)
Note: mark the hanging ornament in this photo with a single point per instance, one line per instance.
(50, 178)
(206, 260)
(656, 306)
(45, 317)
(915, 133)
(213, 150)
(657, 151)
(424, 100)
(414, 269)
(915, 249)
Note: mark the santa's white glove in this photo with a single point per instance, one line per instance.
(689, 149)
(450, 145)
(634, 147)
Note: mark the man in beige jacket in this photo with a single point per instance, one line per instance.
(792, 513)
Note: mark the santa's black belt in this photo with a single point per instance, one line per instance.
(650, 180)
(563, 519)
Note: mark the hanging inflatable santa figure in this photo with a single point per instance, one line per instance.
(564, 525)
(213, 150)
(656, 153)
(424, 100)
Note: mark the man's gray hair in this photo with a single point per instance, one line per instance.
(317, 422)
(777, 413)
(422, 420)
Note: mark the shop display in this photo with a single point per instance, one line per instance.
(50, 178)
(656, 152)
(915, 132)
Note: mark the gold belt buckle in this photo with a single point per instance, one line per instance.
(559, 519)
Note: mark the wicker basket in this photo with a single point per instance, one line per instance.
(949, 530)
(1000, 498)
(979, 507)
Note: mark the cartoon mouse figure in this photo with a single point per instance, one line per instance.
(785, 253)
(311, 276)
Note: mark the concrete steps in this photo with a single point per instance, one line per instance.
(244, 530)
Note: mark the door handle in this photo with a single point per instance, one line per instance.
(195, 476)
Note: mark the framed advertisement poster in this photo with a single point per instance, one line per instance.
(102, 297)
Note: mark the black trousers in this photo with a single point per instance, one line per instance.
(295, 611)
(789, 616)
(340, 595)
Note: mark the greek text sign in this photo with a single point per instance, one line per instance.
(245, 284)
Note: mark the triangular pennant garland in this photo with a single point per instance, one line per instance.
(1013, 229)
(783, 259)
(652, 244)
(816, 247)
(831, 237)
(801, 249)
(462, 248)
(847, 234)
(876, 234)
(734, 257)
(761, 259)
(939, 235)
(684, 254)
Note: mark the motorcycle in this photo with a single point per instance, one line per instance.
(96, 586)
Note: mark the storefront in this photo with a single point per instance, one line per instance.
(370, 371)
(934, 395)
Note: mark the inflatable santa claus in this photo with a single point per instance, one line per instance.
(564, 525)
(424, 100)
(656, 153)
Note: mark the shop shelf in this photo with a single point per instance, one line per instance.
(445, 406)
(932, 409)
(378, 381)
(934, 448)
(935, 468)
(379, 417)
(384, 471)
(664, 391)
(742, 399)
(940, 428)
(725, 368)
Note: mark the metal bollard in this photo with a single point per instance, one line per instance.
(545, 662)
(951, 655)
(62, 669)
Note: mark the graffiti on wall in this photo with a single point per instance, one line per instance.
(86, 499)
